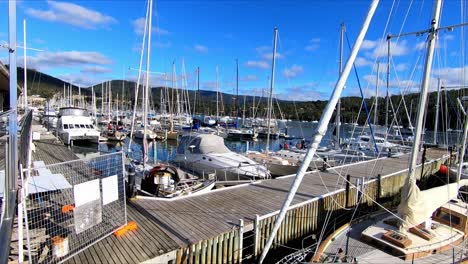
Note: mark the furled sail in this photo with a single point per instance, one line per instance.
(417, 206)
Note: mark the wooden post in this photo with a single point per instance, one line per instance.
(379, 188)
(241, 238)
(209, 252)
(348, 179)
(256, 235)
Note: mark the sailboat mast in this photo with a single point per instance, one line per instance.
(321, 129)
(424, 89)
(376, 95)
(172, 97)
(138, 81)
(25, 83)
(387, 96)
(338, 105)
(217, 95)
(237, 88)
(436, 121)
(148, 54)
(272, 85)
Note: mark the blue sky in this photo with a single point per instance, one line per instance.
(87, 42)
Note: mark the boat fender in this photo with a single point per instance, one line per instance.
(130, 182)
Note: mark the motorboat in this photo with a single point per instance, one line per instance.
(206, 153)
(75, 124)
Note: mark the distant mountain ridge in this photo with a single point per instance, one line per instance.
(47, 86)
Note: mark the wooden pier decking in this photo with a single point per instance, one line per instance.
(207, 228)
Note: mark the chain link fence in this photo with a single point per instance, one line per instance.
(72, 205)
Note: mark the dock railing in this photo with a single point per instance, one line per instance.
(70, 206)
(305, 220)
(8, 191)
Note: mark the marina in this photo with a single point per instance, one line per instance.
(159, 167)
(205, 221)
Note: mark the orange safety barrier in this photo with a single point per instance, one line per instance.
(130, 226)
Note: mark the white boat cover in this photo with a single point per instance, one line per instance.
(417, 206)
(206, 143)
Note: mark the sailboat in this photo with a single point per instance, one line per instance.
(430, 226)
(158, 180)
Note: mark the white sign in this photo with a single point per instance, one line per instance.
(110, 189)
(86, 192)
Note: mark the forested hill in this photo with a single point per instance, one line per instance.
(47, 86)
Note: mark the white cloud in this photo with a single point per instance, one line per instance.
(95, 69)
(72, 14)
(360, 62)
(257, 64)
(81, 79)
(269, 56)
(38, 41)
(249, 78)
(396, 49)
(162, 44)
(314, 44)
(62, 59)
(304, 92)
(293, 71)
(448, 37)
(420, 45)
(139, 28)
(401, 67)
(263, 49)
(368, 44)
(452, 76)
(200, 48)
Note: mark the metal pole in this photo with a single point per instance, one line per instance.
(25, 83)
(12, 120)
(321, 128)
(272, 85)
(436, 122)
(376, 95)
(387, 96)
(137, 84)
(338, 105)
(423, 96)
(145, 111)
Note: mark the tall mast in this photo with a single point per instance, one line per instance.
(237, 88)
(25, 85)
(321, 129)
(172, 98)
(148, 53)
(376, 95)
(436, 121)
(387, 96)
(217, 95)
(272, 85)
(138, 79)
(198, 87)
(338, 105)
(424, 88)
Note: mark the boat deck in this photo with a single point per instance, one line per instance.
(366, 253)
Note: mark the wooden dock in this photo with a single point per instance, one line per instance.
(231, 225)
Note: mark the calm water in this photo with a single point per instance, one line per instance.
(165, 151)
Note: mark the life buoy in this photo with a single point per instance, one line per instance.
(162, 168)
